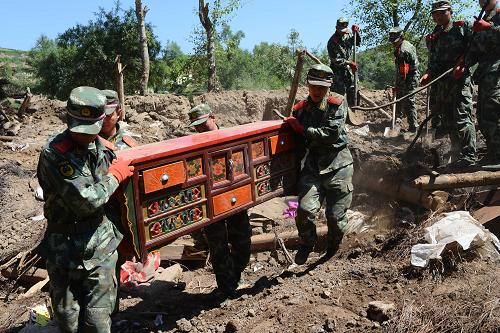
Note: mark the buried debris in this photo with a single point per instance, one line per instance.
(459, 227)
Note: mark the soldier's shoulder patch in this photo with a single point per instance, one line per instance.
(108, 144)
(498, 10)
(66, 169)
(300, 105)
(129, 141)
(460, 23)
(336, 40)
(63, 146)
(335, 100)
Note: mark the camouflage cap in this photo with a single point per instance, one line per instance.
(85, 109)
(320, 75)
(342, 24)
(440, 5)
(112, 101)
(199, 114)
(395, 34)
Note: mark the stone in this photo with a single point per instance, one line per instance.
(231, 327)
(251, 313)
(326, 294)
(380, 311)
(184, 325)
(280, 280)
(330, 325)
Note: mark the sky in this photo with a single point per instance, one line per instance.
(22, 22)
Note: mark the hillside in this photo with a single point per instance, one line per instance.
(14, 66)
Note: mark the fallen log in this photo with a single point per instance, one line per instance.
(265, 242)
(472, 179)
(431, 200)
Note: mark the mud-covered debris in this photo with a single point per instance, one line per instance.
(380, 311)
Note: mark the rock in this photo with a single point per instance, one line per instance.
(330, 325)
(231, 327)
(251, 313)
(326, 294)
(316, 329)
(280, 280)
(272, 261)
(184, 325)
(262, 256)
(380, 311)
(294, 301)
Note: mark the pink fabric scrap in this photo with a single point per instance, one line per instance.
(291, 211)
(138, 272)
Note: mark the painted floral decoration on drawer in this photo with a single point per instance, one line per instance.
(194, 167)
(219, 168)
(238, 163)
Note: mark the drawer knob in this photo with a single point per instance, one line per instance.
(233, 200)
(164, 178)
(282, 142)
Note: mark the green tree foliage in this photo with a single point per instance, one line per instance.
(413, 16)
(85, 54)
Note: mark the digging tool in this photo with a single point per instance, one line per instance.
(392, 131)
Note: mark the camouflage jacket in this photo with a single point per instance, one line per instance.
(485, 47)
(324, 133)
(406, 62)
(340, 47)
(446, 46)
(120, 139)
(76, 187)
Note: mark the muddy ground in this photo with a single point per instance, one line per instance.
(459, 294)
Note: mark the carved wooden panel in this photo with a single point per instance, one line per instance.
(164, 176)
(232, 199)
(238, 163)
(176, 221)
(258, 150)
(173, 201)
(281, 142)
(194, 167)
(219, 170)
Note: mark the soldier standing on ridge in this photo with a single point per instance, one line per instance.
(407, 76)
(340, 47)
(78, 175)
(452, 96)
(485, 51)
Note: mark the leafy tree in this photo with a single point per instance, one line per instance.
(212, 18)
(85, 54)
(413, 16)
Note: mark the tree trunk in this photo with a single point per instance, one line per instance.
(141, 12)
(209, 30)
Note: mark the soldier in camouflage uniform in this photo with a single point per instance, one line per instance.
(327, 172)
(485, 51)
(340, 47)
(78, 174)
(407, 76)
(452, 96)
(113, 129)
(228, 263)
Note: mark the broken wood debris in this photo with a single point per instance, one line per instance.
(458, 180)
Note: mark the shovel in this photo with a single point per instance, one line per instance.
(393, 131)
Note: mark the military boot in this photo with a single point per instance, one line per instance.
(302, 254)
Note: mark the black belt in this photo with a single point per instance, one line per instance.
(74, 228)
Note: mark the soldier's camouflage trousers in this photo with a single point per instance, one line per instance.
(488, 113)
(228, 264)
(336, 187)
(83, 300)
(343, 83)
(407, 107)
(452, 100)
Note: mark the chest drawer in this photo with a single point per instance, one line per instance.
(164, 176)
(224, 202)
(280, 143)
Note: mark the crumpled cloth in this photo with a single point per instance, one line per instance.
(138, 272)
(460, 227)
(291, 211)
